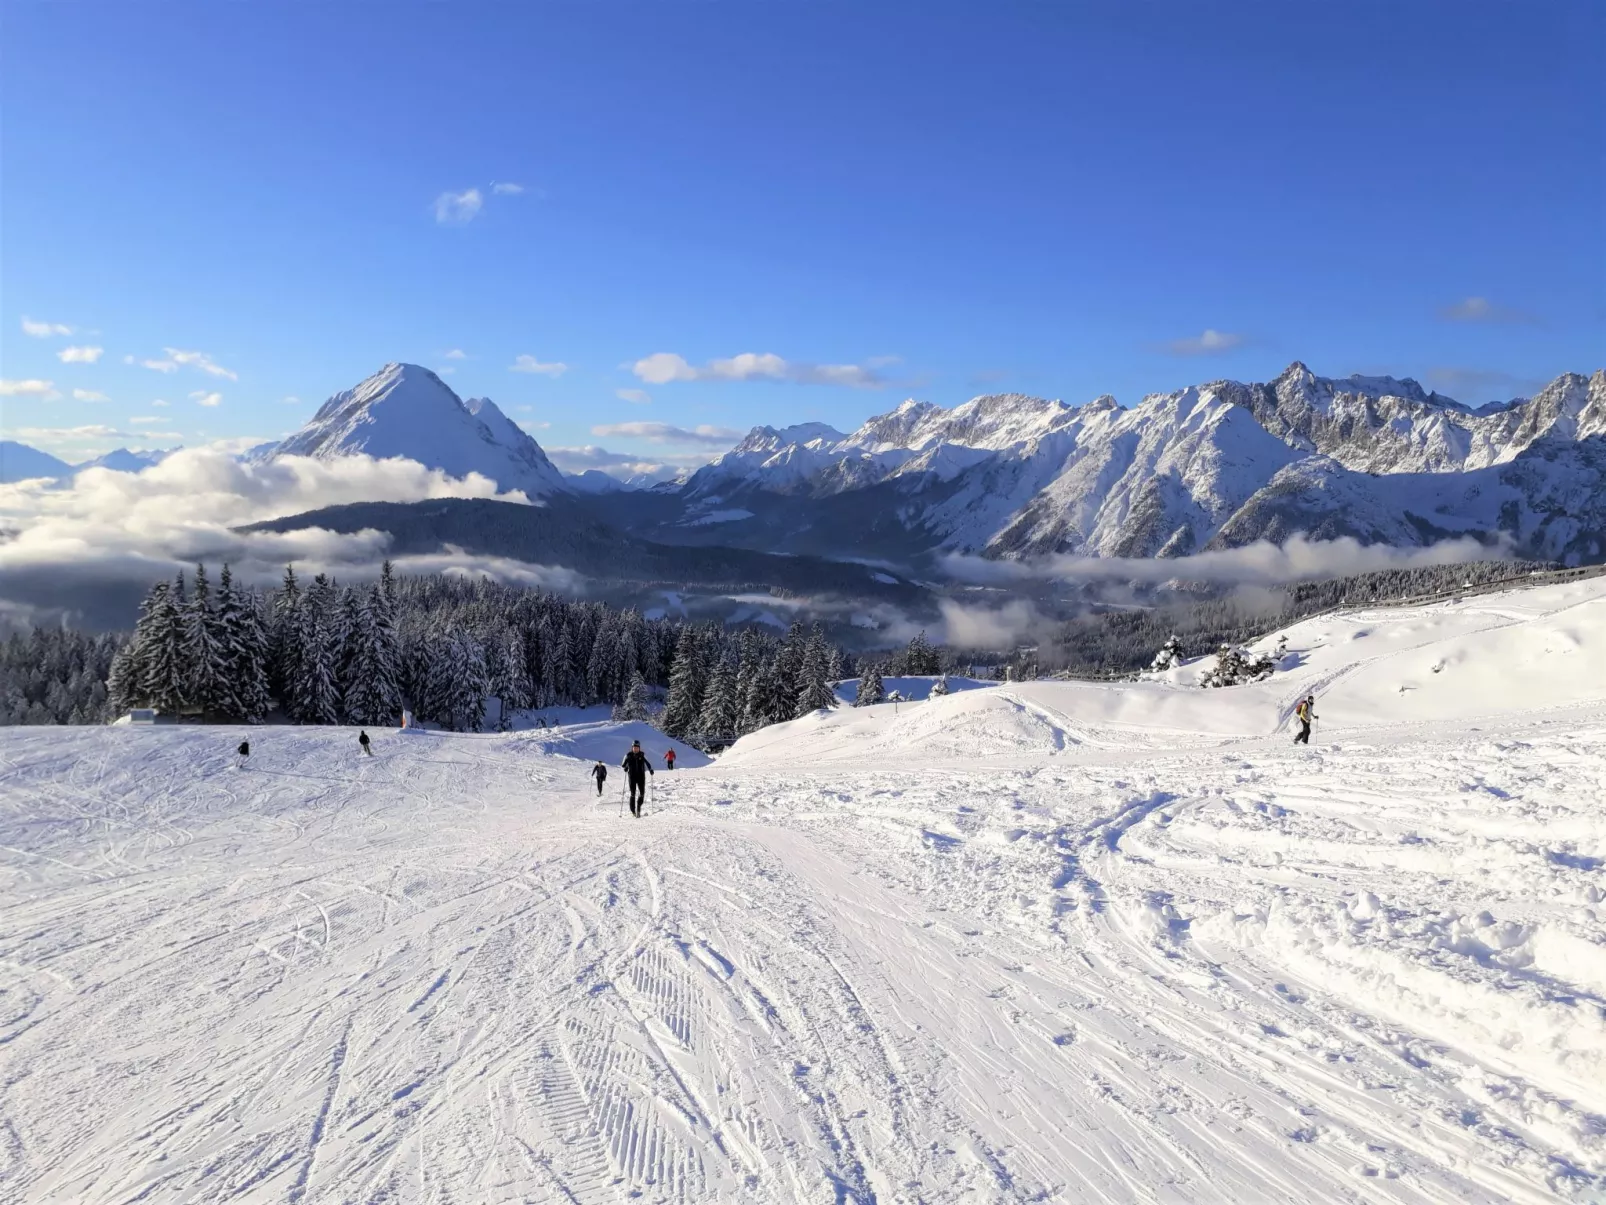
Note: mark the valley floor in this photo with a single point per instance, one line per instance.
(1370, 971)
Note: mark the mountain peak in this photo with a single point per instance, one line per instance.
(406, 411)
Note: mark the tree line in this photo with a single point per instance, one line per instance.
(319, 652)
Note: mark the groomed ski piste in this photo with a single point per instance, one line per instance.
(1039, 942)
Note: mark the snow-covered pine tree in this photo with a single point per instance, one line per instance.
(166, 685)
(940, 686)
(721, 714)
(234, 674)
(129, 680)
(203, 655)
(871, 690)
(317, 689)
(634, 706)
(814, 692)
(789, 662)
(687, 682)
(920, 657)
(284, 646)
(835, 667)
(251, 689)
(1168, 656)
(465, 683)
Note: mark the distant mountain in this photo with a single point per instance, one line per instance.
(121, 460)
(1210, 466)
(19, 462)
(407, 411)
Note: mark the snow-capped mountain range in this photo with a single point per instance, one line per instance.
(1008, 475)
(1213, 465)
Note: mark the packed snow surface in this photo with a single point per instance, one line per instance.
(1046, 942)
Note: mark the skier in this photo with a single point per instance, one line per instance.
(600, 773)
(362, 739)
(669, 760)
(243, 752)
(636, 767)
(1305, 713)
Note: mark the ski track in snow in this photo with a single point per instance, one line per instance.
(1370, 971)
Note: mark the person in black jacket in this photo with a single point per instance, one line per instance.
(600, 773)
(362, 739)
(636, 767)
(241, 754)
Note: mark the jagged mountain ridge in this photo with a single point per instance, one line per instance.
(1212, 465)
(407, 411)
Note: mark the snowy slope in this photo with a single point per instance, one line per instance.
(407, 411)
(1118, 959)
(1217, 464)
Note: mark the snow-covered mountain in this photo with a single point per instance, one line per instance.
(1212, 465)
(122, 460)
(19, 462)
(407, 411)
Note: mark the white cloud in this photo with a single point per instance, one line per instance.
(531, 364)
(89, 395)
(1260, 563)
(177, 358)
(661, 368)
(138, 527)
(147, 419)
(31, 387)
(636, 397)
(79, 355)
(59, 435)
(43, 330)
(202, 398)
(456, 353)
(1481, 309)
(160, 402)
(667, 433)
(290, 401)
(1211, 342)
(455, 208)
(507, 189)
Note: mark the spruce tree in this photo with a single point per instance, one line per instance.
(634, 706)
(687, 681)
(871, 690)
(251, 688)
(203, 655)
(228, 624)
(814, 692)
(285, 649)
(940, 686)
(165, 686)
(721, 713)
(317, 688)
(129, 681)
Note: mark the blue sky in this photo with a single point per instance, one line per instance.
(929, 200)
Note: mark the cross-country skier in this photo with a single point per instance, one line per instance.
(362, 739)
(600, 773)
(636, 767)
(669, 760)
(240, 754)
(1305, 713)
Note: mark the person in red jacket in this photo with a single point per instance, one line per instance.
(669, 760)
